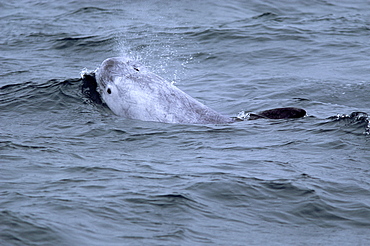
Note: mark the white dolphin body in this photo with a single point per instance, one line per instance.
(131, 91)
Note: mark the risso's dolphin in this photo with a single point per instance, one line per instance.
(132, 91)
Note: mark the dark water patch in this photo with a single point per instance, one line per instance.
(79, 43)
(98, 170)
(286, 189)
(38, 97)
(318, 212)
(265, 15)
(18, 229)
(339, 24)
(14, 73)
(218, 34)
(289, 201)
(11, 145)
(323, 212)
(169, 216)
(49, 97)
(91, 10)
(165, 201)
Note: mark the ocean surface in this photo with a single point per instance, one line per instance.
(73, 173)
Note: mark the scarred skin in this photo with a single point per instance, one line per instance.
(132, 91)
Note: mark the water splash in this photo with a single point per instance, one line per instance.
(242, 115)
(85, 72)
(355, 119)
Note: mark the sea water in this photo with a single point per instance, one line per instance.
(73, 173)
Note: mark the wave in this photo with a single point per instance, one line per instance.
(300, 200)
(60, 95)
(51, 96)
(85, 42)
(14, 225)
(357, 123)
(30, 96)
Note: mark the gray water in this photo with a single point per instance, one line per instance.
(73, 173)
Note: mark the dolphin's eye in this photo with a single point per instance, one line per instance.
(137, 69)
(109, 91)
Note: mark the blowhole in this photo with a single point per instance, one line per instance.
(109, 91)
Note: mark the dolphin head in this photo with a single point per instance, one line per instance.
(116, 67)
(122, 84)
